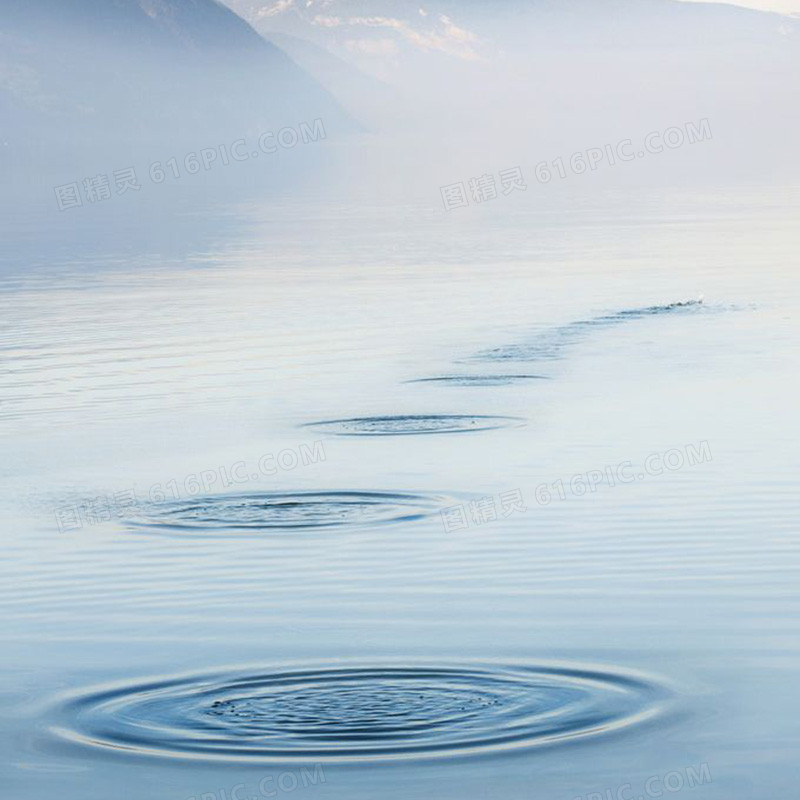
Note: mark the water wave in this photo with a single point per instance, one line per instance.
(479, 380)
(414, 424)
(276, 511)
(551, 344)
(352, 712)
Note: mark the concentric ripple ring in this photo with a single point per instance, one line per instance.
(415, 424)
(353, 712)
(285, 511)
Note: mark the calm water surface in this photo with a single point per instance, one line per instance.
(590, 580)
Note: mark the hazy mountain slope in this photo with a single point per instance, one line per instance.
(112, 75)
(373, 102)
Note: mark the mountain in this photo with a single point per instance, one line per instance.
(372, 101)
(508, 80)
(81, 77)
(379, 31)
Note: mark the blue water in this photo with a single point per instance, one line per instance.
(579, 573)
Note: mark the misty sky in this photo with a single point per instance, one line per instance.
(784, 6)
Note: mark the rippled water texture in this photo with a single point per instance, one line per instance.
(320, 609)
(414, 424)
(361, 712)
(286, 511)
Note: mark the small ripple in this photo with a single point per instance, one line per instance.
(410, 425)
(480, 380)
(550, 345)
(355, 713)
(276, 511)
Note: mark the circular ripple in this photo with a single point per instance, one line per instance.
(273, 511)
(342, 713)
(480, 380)
(410, 425)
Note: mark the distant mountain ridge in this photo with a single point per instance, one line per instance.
(441, 25)
(116, 74)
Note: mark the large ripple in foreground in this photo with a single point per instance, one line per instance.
(352, 712)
